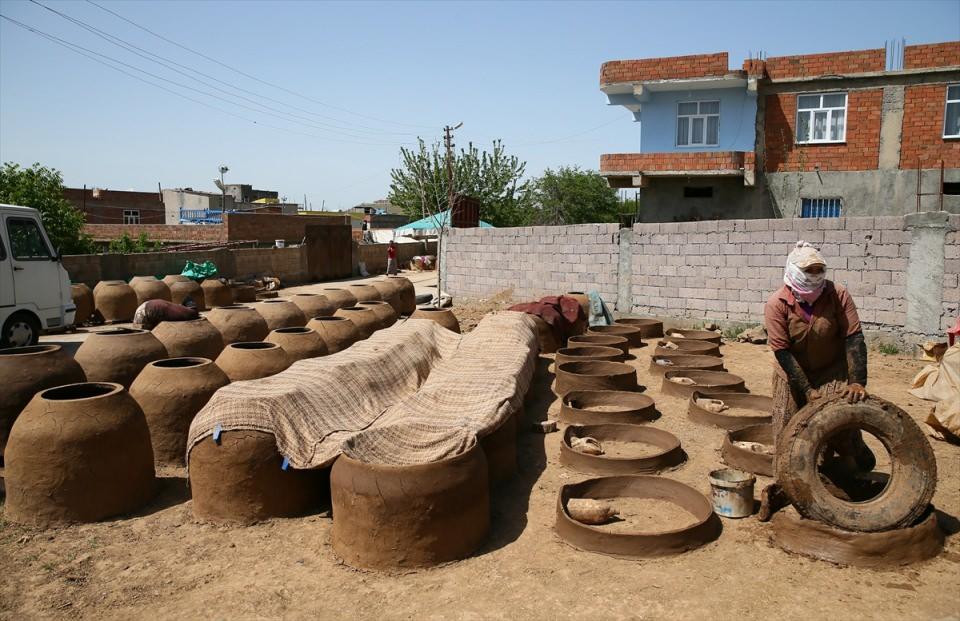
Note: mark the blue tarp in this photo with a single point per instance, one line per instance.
(433, 223)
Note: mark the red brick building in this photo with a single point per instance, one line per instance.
(815, 135)
(117, 206)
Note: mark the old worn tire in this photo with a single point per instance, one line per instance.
(913, 476)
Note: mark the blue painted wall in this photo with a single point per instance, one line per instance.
(738, 113)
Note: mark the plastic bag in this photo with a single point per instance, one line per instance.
(207, 269)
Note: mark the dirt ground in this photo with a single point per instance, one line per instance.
(161, 564)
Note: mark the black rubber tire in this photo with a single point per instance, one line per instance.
(913, 476)
(20, 317)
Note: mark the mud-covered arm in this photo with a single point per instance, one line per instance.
(856, 349)
(795, 375)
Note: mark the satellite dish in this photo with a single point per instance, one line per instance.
(219, 185)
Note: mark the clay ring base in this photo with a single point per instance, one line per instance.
(745, 459)
(760, 405)
(922, 541)
(666, 542)
(586, 407)
(669, 454)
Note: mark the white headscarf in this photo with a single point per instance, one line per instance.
(807, 286)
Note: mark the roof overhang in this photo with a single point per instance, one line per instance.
(632, 95)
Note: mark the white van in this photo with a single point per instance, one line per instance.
(34, 286)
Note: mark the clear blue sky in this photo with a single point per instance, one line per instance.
(525, 72)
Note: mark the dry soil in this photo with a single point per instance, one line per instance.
(161, 564)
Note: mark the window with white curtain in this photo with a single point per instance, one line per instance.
(698, 123)
(951, 116)
(822, 118)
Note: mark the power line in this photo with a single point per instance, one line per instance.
(252, 77)
(91, 53)
(166, 63)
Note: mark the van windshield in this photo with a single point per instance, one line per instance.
(26, 240)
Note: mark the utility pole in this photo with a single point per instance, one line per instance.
(223, 191)
(448, 142)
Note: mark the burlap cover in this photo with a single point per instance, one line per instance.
(413, 393)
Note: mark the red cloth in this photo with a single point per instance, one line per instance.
(391, 252)
(559, 312)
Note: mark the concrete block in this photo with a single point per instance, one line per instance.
(837, 237)
(891, 291)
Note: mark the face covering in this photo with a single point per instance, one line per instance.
(807, 287)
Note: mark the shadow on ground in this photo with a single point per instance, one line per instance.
(510, 501)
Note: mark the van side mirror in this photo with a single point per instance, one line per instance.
(59, 257)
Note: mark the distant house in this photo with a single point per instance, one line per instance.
(101, 206)
(814, 135)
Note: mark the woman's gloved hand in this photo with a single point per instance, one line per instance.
(855, 393)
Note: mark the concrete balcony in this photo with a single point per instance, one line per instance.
(633, 170)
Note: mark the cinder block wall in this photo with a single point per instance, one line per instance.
(374, 256)
(719, 270)
(726, 269)
(533, 261)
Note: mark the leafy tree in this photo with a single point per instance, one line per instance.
(127, 245)
(420, 187)
(569, 195)
(42, 188)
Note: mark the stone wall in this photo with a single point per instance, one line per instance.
(722, 270)
(255, 227)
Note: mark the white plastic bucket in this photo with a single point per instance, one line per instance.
(732, 492)
(279, 243)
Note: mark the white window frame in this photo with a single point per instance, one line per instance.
(829, 110)
(955, 102)
(704, 116)
(131, 216)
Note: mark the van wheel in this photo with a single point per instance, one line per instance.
(20, 330)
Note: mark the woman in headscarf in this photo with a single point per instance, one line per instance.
(814, 332)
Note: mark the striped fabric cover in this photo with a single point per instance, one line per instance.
(413, 393)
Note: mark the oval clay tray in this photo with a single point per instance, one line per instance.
(704, 381)
(669, 454)
(684, 362)
(760, 406)
(746, 460)
(686, 346)
(587, 407)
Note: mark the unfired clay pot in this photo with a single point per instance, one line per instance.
(115, 302)
(313, 305)
(118, 355)
(244, 293)
(365, 293)
(78, 453)
(238, 324)
(172, 278)
(25, 371)
(298, 342)
(240, 479)
(408, 295)
(197, 337)
(215, 293)
(103, 283)
(149, 288)
(83, 300)
(247, 361)
(546, 336)
(281, 314)
(398, 292)
(364, 318)
(170, 393)
(443, 316)
(341, 298)
(384, 312)
(409, 516)
(180, 291)
(580, 326)
(338, 333)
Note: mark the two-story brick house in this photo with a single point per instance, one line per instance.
(816, 135)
